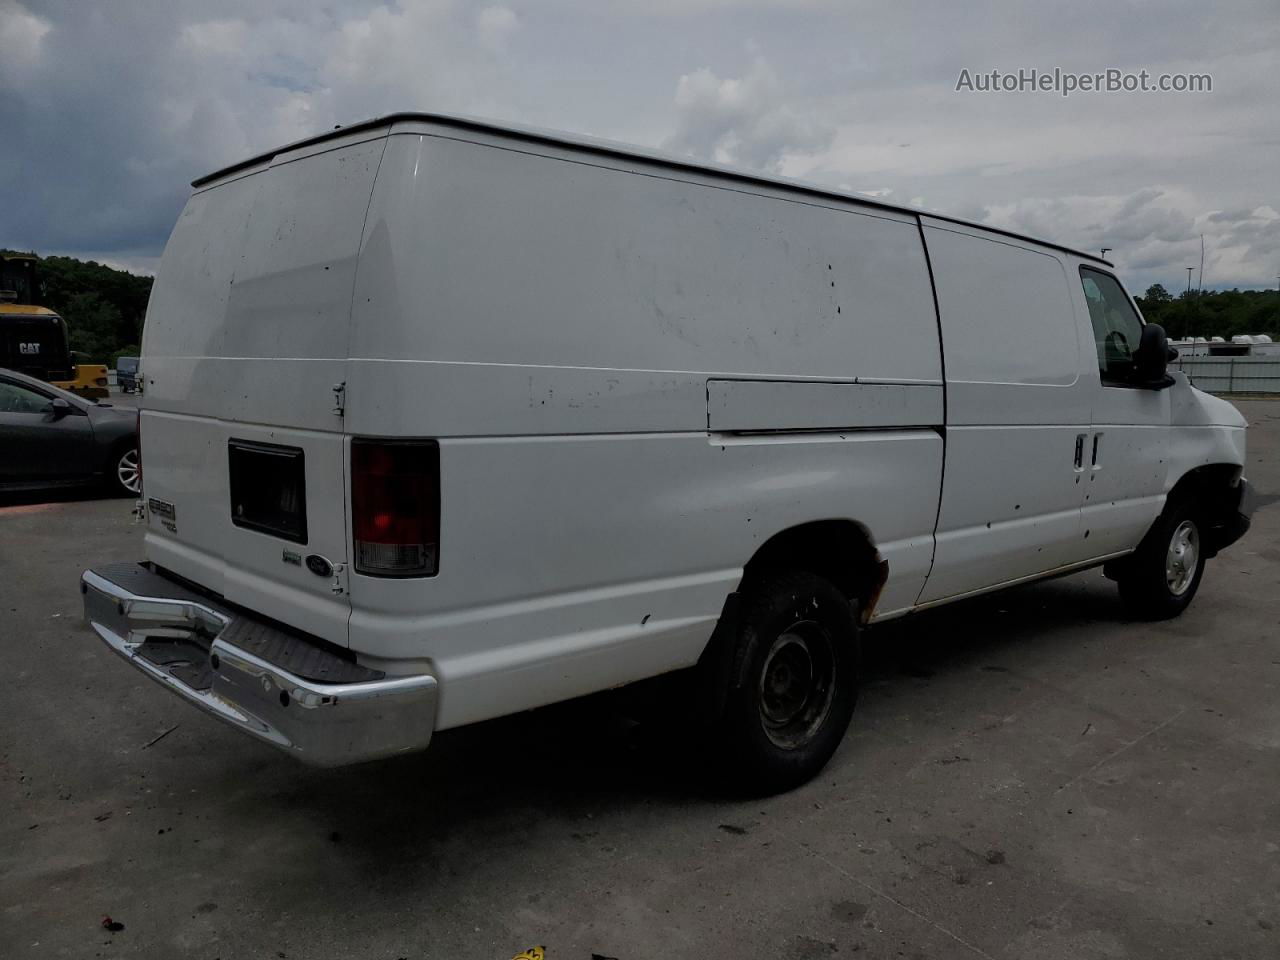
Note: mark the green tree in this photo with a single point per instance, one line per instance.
(104, 307)
(94, 325)
(128, 350)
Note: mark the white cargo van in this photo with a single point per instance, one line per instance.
(444, 420)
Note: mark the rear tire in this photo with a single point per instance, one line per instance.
(785, 680)
(1162, 576)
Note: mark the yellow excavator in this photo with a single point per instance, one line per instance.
(33, 339)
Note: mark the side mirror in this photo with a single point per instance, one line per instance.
(59, 408)
(1151, 360)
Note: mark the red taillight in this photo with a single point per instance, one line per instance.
(395, 507)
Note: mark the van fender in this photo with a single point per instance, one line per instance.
(841, 551)
(1221, 496)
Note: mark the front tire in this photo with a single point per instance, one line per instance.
(786, 680)
(1162, 576)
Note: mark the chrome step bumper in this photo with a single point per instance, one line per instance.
(271, 684)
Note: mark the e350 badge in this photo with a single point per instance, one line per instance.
(165, 512)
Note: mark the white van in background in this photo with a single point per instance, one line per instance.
(444, 420)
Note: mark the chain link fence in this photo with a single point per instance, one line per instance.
(1232, 374)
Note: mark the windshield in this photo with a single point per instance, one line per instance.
(18, 278)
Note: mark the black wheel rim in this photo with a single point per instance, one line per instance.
(797, 684)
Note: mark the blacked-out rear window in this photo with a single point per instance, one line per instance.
(268, 489)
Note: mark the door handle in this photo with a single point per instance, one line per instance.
(1097, 437)
(1079, 460)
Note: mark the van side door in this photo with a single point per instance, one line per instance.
(1127, 459)
(1017, 411)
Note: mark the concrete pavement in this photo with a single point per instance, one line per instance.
(1028, 775)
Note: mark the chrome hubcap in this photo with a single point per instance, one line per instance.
(128, 473)
(1183, 557)
(797, 684)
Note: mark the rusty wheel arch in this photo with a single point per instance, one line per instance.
(839, 550)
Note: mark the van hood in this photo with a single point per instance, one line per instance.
(1192, 407)
(1219, 412)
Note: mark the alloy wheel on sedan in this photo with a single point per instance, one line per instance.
(129, 472)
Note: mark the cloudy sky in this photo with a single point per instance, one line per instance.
(110, 107)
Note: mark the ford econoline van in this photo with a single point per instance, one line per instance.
(444, 420)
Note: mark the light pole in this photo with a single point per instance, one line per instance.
(1191, 324)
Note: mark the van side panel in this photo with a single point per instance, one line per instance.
(573, 563)
(756, 405)
(595, 342)
(478, 253)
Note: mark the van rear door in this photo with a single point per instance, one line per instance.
(245, 345)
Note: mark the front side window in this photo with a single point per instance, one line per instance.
(1117, 330)
(18, 399)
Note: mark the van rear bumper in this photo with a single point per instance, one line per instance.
(271, 684)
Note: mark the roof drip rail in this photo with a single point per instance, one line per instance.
(625, 151)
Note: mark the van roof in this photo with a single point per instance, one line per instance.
(616, 149)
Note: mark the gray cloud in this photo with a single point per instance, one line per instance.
(119, 105)
(743, 120)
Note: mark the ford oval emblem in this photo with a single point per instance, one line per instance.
(319, 565)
